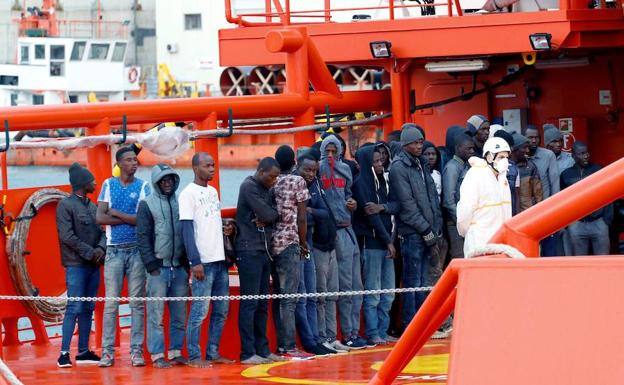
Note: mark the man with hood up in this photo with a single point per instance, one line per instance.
(485, 198)
(419, 222)
(375, 233)
(336, 180)
(479, 128)
(162, 251)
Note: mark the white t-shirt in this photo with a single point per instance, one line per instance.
(201, 205)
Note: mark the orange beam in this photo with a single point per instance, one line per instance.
(189, 109)
(211, 146)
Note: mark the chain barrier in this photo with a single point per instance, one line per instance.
(217, 297)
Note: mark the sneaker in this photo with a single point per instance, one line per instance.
(389, 339)
(362, 341)
(137, 359)
(442, 333)
(255, 360)
(179, 360)
(318, 351)
(354, 344)
(297, 355)
(372, 342)
(328, 348)
(338, 346)
(275, 358)
(87, 357)
(64, 361)
(106, 361)
(161, 363)
(220, 360)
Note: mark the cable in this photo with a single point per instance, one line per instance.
(50, 309)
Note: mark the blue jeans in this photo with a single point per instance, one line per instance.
(349, 278)
(378, 274)
(253, 270)
(124, 261)
(584, 234)
(170, 282)
(215, 283)
(549, 246)
(287, 265)
(82, 281)
(415, 269)
(305, 313)
(326, 281)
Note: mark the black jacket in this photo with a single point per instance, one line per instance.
(321, 223)
(415, 190)
(575, 174)
(254, 202)
(375, 230)
(78, 233)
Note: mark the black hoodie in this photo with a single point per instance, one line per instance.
(376, 230)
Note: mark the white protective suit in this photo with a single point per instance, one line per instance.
(484, 204)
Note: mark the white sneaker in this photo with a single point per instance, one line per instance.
(329, 345)
(339, 347)
(442, 334)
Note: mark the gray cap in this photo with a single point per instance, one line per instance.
(551, 133)
(410, 133)
(519, 140)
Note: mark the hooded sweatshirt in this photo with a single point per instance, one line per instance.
(449, 148)
(484, 204)
(336, 181)
(375, 229)
(159, 232)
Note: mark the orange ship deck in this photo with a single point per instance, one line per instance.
(36, 365)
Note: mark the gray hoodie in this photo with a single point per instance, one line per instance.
(336, 181)
(159, 231)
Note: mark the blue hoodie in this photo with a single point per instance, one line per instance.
(336, 181)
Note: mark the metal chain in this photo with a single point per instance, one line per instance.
(8, 374)
(217, 297)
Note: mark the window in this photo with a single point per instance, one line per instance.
(57, 52)
(57, 68)
(73, 98)
(9, 80)
(14, 99)
(98, 51)
(78, 50)
(39, 51)
(37, 99)
(24, 54)
(119, 52)
(192, 21)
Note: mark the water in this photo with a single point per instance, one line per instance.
(38, 176)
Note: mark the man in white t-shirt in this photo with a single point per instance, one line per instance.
(202, 230)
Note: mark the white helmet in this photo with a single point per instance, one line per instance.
(495, 145)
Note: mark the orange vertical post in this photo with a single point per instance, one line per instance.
(306, 137)
(327, 10)
(5, 171)
(99, 163)
(210, 146)
(397, 98)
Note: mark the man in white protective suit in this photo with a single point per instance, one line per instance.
(485, 197)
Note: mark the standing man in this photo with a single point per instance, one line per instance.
(160, 244)
(202, 230)
(289, 245)
(83, 246)
(553, 139)
(530, 189)
(546, 163)
(336, 180)
(117, 208)
(419, 221)
(593, 229)
(256, 215)
(479, 127)
(452, 178)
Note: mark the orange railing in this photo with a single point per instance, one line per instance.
(523, 232)
(275, 10)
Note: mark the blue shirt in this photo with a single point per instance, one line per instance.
(125, 199)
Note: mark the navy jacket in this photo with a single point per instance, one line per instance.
(321, 223)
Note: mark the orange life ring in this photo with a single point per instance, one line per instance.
(133, 74)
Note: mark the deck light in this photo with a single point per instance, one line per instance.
(540, 41)
(381, 49)
(457, 65)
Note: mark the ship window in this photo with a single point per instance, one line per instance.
(78, 50)
(37, 99)
(57, 52)
(192, 21)
(57, 68)
(24, 54)
(98, 51)
(8, 80)
(39, 51)
(119, 52)
(14, 99)
(73, 98)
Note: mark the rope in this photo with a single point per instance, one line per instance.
(217, 297)
(495, 248)
(48, 309)
(9, 375)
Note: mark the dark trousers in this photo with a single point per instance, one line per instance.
(253, 270)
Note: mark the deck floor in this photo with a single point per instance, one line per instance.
(36, 365)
